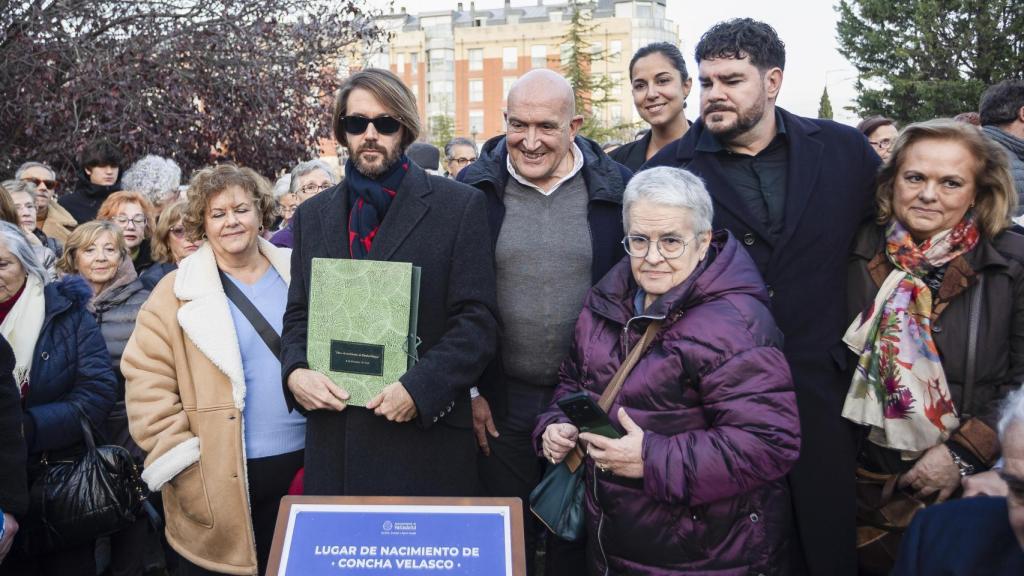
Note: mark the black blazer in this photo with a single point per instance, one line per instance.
(829, 193)
(440, 226)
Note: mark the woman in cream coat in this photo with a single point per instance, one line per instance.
(203, 391)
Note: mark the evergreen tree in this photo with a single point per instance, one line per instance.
(442, 129)
(825, 106)
(593, 91)
(920, 59)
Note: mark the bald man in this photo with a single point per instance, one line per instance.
(555, 209)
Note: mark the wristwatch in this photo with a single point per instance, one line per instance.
(966, 469)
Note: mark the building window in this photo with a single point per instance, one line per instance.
(476, 122)
(565, 53)
(538, 56)
(476, 90)
(476, 58)
(616, 115)
(506, 85)
(617, 87)
(414, 62)
(643, 10)
(400, 62)
(614, 50)
(509, 58)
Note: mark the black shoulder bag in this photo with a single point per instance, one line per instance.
(270, 337)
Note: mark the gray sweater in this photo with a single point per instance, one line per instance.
(543, 260)
(1015, 151)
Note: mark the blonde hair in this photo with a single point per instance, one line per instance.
(83, 237)
(995, 200)
(160, 245)
(112, 205)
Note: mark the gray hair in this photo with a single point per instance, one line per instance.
(460, 141)
(1012, 412)
(308, 167)
(15, 186)
(282, 186)
(154, 176)
(14, 239)
(671, 187)
(30, 165)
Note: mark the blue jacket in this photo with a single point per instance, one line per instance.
(605, 179)
(71, 369)
(961, 538)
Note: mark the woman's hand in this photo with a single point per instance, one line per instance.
(933, 472)
(10, 529)
(622, 456)
(558, 440)
(314, 391)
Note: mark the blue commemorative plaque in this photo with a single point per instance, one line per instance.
(369, 536)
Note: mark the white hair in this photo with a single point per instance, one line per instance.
(154, 176)
(1012, 412)
(309, 166)
(670, 187)
(14, 239)
(30, 165)
(282, 186)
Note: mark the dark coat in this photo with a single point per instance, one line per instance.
(85, 201)
(440, 226)
(605, 181)
(970, 537)
(715, 399)
(633, 154)
(152, 276)
(13, 480)
(1000, 352)
(830, 192)
(71, 371)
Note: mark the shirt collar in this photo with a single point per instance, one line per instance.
(708, 142)
(577, 165)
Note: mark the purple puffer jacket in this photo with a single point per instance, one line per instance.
(715, 399)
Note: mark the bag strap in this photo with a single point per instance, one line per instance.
(575, 457)
(270, 337)
(973, 323)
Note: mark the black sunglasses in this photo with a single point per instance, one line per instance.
(358, 124)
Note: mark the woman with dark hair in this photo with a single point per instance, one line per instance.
(936, 295)
(881, 132)
(62, 372)
(203, 389)
(660, 86)
(99, 176)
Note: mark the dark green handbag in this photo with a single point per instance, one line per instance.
(558, 500)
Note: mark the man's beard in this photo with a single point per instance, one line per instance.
(745, 121)
(375, 170)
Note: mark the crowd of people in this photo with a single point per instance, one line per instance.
(818, 331)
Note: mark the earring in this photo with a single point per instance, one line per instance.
(261, 227)
(972, 203)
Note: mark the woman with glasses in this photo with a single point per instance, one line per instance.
(308, 179)
(707, 418)
(170, 245)
(23, 200)
(881, 133)
(132, 212)
(51, 218)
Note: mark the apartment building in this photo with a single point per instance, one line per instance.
(460, 63)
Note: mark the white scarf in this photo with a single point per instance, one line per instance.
(22, 326)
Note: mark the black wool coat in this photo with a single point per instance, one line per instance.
(830, 192)
(13, 479)
(440, 226)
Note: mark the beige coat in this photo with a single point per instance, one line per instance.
(184, 393)
(59, 223)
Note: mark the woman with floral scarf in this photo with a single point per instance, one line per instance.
(936, 295)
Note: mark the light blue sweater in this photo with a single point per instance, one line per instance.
(269, 428)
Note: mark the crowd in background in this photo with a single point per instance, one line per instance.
(828, 325)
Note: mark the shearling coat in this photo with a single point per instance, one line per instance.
(185, 391)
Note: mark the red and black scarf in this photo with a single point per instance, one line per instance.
(368, 202)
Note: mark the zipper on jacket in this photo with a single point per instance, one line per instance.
(600, 524)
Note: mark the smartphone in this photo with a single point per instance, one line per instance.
(586, 415)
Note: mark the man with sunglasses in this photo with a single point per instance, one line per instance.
(980, 535)
(416, 437)
(555, 206)
(51, 218)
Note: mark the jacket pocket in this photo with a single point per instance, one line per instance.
(189, 490)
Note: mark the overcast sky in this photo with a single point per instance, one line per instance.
(807, 27)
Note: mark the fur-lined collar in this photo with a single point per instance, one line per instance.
(205, 315)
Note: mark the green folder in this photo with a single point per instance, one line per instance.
(362, 323)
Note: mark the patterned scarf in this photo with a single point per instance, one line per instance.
(900, 388)
(368, 202)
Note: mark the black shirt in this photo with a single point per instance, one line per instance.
(761, 179)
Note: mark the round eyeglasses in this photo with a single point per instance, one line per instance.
(668, 246)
